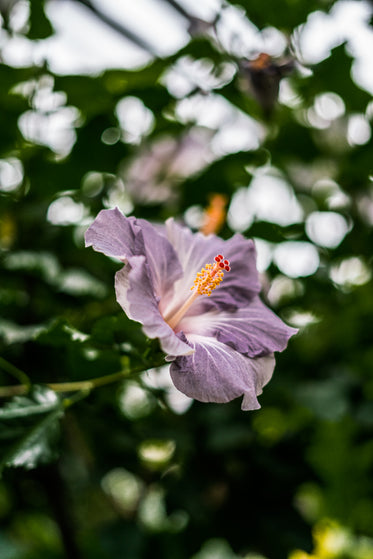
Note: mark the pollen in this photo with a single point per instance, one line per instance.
(211, 276)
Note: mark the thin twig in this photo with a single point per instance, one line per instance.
(82, 385)
(120, 28)
(197, 26)
(15, 372)
(179, 9)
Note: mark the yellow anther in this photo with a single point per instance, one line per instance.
(208, 279)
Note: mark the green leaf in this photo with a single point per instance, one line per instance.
(200, 47)
(275, 233)
(224, 175)
(293, 142)
(334, 74)
(29, 429)
(40, 26)
(109, 330)
(60, 333)
(291, 14)
(99, 94)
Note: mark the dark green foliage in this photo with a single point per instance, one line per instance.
(106, 467)
(334, 74)
(291, 14)
(40, 26)
(29, 429)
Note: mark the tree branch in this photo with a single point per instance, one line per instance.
(119, 28)
(86, 385)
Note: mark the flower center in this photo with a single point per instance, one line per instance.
(210, 276)
(206, 281)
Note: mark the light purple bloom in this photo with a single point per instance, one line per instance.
(220, 346)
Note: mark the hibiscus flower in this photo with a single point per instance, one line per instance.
(199, 296)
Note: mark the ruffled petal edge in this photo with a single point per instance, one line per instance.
(217, 373)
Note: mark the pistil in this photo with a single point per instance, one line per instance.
(206, 281)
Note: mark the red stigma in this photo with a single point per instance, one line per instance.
(221, 263)
(209, 277)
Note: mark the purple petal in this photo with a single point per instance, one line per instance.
(164, 264)
(196, 250)
(217, 373)
(121, 237)
(113, 234)
(253, 330)
(135, 294)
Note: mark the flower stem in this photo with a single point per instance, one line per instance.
(85, 385)
(15, 372)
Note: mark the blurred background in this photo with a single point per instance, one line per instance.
(240, 116)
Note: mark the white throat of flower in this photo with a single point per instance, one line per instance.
(206, 281)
